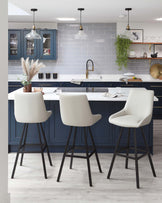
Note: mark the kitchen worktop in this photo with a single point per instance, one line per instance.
(93, 94)
(77, 78)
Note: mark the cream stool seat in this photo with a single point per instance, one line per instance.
(136, 113)
(127, 121)
(76, 113)
(30, 108)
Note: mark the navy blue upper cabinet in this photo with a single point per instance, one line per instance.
(14, 47)
(45, 48)
(48, 44)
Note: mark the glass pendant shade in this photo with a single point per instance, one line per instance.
(81, 35)
(33, 34)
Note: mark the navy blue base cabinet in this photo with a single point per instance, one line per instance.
(105, 134)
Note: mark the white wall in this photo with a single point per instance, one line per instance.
(152, 31)
(28, 25)
(4, 197)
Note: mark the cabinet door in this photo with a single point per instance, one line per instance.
(30, 47)
(14, 48)
(48, 44)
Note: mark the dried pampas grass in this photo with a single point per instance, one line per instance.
(30, 69)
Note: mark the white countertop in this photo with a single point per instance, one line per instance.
(77, 78)
(51, 94)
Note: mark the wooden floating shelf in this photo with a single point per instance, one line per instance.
(145, 58)
(147, 43)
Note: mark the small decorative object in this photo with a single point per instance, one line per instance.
(39, 89)
(122, 45)
(156, 71)
(40, 75)
(30, 69)
(54, 75)
(132, 54)
(48, 75)
(154, 55)
(136, 35)
(144, 55)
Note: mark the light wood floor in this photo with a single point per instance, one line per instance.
(29, 186)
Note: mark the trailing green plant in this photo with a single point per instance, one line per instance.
(122, 45)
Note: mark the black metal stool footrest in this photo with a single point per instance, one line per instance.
(79, 156)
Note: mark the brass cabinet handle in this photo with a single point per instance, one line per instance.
(15, 85)
(45, 85)
(127, 85)
(157, 107)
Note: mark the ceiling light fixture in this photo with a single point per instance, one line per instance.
(33, 34)
(81, 34)
(158, 19)
(128, 9)
(66, 19)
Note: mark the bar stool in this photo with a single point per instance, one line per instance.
(76, 112)
(30, 108)
(136, 113)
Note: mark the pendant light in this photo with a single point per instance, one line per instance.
(81, 34)
(128, 9)
(127, 33)
(33, 34)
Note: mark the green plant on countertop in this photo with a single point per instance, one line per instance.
(122, 45)
(30, 69)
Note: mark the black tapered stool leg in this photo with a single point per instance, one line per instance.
(148, 153)
(136, 160)
(42, 153)
(45, 141)
(114, 155)
(73, 146)
(23, 149)
(19, 148)
(98, 162)
(63, 158)
(127, 154)
(87, 155)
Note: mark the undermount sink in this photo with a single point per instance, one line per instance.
(84, 89)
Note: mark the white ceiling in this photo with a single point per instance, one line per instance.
(99, 11)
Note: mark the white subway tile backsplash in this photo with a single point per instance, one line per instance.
(73, 54)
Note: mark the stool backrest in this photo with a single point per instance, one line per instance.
(75, 110)
(29, 107)
(140, 103)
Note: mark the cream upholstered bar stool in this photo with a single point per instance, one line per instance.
(76, 112)
(30, 108)
(136, 113)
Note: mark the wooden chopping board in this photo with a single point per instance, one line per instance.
(135, 80)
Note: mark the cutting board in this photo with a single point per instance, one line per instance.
(135, 80)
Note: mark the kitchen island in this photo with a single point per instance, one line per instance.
(105, 101)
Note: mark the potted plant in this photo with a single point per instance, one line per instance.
(30, 69)
(122, 45)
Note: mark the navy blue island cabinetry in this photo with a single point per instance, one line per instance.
(105, 134)
(19, 46)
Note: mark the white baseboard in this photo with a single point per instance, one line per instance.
(5, 198)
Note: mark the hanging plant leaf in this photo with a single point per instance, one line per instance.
(122, 45)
